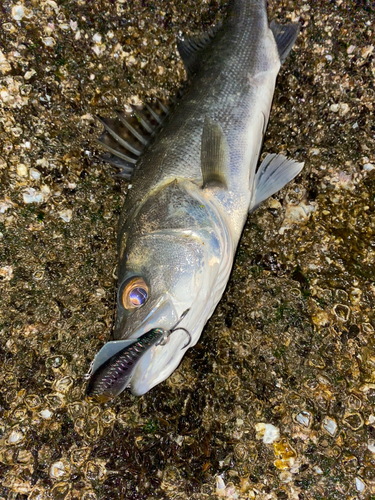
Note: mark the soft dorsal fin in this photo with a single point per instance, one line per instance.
(214, 155)
(285, 36)
(273, 174)
(190, 48)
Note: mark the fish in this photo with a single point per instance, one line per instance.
(195, 177)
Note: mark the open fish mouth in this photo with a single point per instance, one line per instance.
(115, 364)
(156, 363)
(165, 356)
(112, 376)
(162, 315)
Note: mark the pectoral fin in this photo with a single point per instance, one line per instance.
(214, 156)
(273, 174)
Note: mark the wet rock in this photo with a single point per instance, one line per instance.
(291, 343)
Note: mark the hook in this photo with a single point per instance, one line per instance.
(167, 333)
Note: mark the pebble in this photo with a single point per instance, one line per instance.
(220, 486)
(330, 426)
(46, 414)
(366, 51)
(49, 41)
(5, 205)
(34, 174)
(15, 437)
(22, 170)
(18, 12)
(6, 273)
(57, 470)
(341, 107)
(29, 74)
(304, 418)
(66, 215)
(359, 484)
(31, 195)
(5, 67)
(267, 432)
(368, 167)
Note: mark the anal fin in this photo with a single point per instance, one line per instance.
(273, 174)
(214, 156)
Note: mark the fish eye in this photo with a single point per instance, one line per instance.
(134, 293)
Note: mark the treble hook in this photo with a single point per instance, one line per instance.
(167, 333)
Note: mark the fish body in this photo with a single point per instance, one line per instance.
(195, 184)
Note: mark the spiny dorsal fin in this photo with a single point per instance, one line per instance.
(273, 174)
(285, 36)
(214, 156)
(190, 48)
(126, 136)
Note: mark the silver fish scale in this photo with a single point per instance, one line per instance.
(222, 90)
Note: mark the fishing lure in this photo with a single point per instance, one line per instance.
(114, 365)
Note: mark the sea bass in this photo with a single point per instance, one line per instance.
(194, 185)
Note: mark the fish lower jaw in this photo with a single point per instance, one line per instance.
(139, 386)
(155, 367)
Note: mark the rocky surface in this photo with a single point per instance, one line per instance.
(277, 399)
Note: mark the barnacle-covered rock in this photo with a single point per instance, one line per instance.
(61, 491)
(95, 471)
(78, 456)
(342, 312)
(38, 493)
(63, 385)
(292, 341)
(353, 420)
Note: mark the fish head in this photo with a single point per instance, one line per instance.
(166, 274)
(168, 267)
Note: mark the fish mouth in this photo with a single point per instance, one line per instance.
(162, 359)
(163, 315)
(158, 363)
